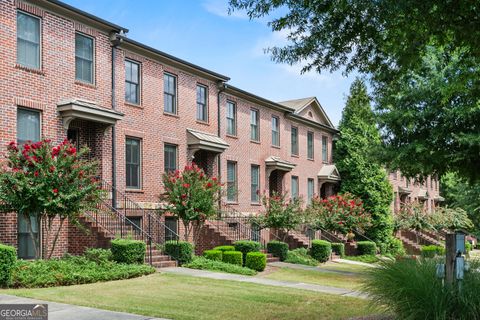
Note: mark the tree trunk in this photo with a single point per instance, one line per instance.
(186, 225)
(56, 237)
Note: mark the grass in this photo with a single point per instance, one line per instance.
(316, 277)
(344, 267)
(219, 266)
(184, 297)
(363, 258)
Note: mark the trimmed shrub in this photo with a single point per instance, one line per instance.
(256, 261)
(278, 249)
(246, 246)
(233, 257)
(432, 250)
(213, 255)
(224, 248)
(321, 250)
(368, 248)
(8, 257)
(98, 255)
(181, 251)
(338, 248)
(203, 263)
(468, 247)
(395, 247)
(300, 256)
(128, 251)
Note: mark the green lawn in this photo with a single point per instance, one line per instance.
(184, 297)
(316, 277)
(344, 267)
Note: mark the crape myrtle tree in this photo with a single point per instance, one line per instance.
(192, 197)
(423, 62)
(47, 181)
(362, 175)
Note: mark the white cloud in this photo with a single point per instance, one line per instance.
(220, 8)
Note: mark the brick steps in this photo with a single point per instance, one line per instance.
(159, 260)
(410, 246)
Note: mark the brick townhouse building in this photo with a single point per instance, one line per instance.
(67, 74)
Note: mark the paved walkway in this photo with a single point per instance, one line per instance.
(312, 268)
(61, 311)
(264, 281)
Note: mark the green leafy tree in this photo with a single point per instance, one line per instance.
(192, 197)
(46, 182)
(281, 213)
(422, 59)
(460, 193)
(361, 174)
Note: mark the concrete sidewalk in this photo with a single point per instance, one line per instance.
(264, 281)
(62, 311)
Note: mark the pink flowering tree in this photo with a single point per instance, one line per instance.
(341, 213)
(191, 196)
(47, 181)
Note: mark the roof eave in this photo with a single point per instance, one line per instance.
(229, 89)
(312, 123)
(79, 14)
(173, 61)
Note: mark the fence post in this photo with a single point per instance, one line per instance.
(450, 249)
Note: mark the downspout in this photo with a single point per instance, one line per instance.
(115, 40)
(221, 87)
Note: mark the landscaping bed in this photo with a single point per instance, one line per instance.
(72, 270)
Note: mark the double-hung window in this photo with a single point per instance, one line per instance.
(170, 157)
(294, 139)
(132, 82)
(231, 118)
(133, 163)
(232, 181)
(310, 190)
(324, 149)
(28, 40)
(202, 109)
(275, 131)
(255, 184)
(169, 93)
(84, 58)
(28, 129)
(294, 187)
(28, 126)
(254, 125)
(310, 145)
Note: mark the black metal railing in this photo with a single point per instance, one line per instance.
(235, 226)
(123, 218)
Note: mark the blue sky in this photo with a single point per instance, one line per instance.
(202, 32)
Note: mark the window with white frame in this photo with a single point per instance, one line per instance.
(28, 40)
(310, 190)
(28, 126)
(170, 157)
(294, 140)
(231, 118)
(294, 188)
(275, 131)
(133, 163)
(310, 145)
(325, 149)
(254, 125)
(84, 64)
(132, 82)
(202, 109)
(255, 183)
(169, 93)
(232, 183)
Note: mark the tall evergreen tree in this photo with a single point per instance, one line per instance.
(361, 174)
